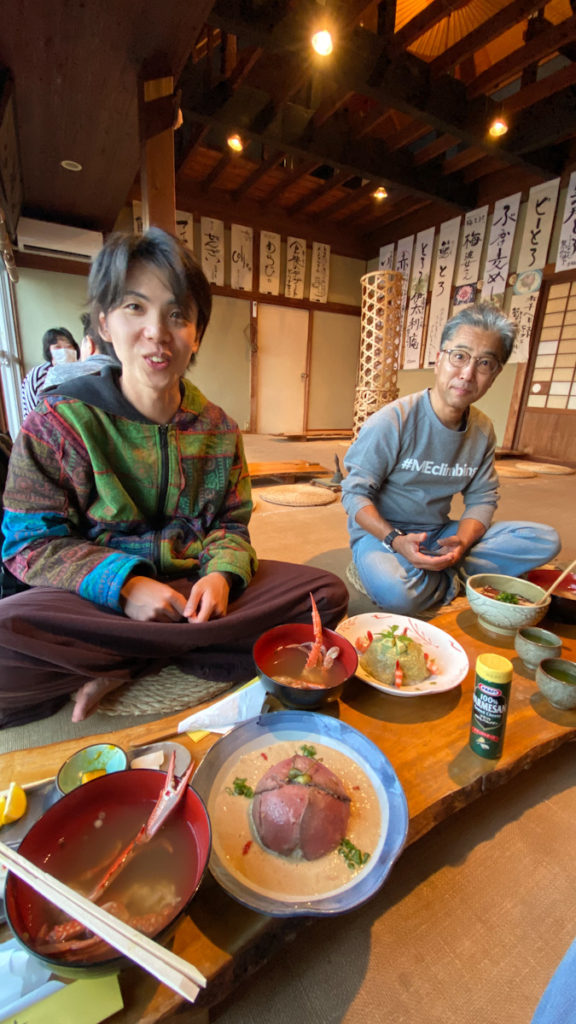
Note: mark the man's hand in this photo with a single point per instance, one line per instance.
(208, 598)
(147, 600)
(410, 544)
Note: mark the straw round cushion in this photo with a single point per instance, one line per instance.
(298, 495)
(547, 468)
(507, 470)
(169, 691)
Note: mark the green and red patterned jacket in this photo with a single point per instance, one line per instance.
(96, 492)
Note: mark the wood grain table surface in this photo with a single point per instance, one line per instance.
(426, 740)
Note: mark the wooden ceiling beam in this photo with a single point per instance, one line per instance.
(403, 82)
(540, 90)
(344, 201)
(322, 190)
(259, 171)
(483, 34)
(545, 124)
(427, 18)
(546, 43)
(463, 159)
(411, 133)
(434, 149)
(211, 179)
(291, 178)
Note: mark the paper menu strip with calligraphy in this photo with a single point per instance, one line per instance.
(212, 248)
(386, 257)
(416, 312)
(473, 233)
(522, 311)
(295, 268)
(185, 228)
(320, 272)
(502, 231)
(241, 257)
(441, 286)
(404, 250)
(566, 256)
(540, 212)
(269, 263)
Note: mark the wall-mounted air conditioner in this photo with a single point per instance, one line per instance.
(39, 236)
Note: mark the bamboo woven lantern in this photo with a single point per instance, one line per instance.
(381, 324)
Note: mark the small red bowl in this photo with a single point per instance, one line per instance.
(563, 600)
(67, 838)
(265, 650)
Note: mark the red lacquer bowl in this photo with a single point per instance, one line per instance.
(67, 838)
(563, 600)
(265, 654)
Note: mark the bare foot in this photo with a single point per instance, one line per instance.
(88, 697)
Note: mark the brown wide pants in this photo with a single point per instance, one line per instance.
(52, 641)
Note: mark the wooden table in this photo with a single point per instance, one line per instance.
(426, 740)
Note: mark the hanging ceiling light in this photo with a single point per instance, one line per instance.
(322, 42)
(380, 193)
(498, 127)
(235, 143)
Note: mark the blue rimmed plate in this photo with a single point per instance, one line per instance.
(262, 741)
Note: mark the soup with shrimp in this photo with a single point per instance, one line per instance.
(288, 665)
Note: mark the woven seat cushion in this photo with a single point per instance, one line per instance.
(169, 691)
(299, 495)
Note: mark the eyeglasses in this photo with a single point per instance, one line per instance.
(485, 365)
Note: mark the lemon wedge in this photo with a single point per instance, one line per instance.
(14, 804)
(2, 806)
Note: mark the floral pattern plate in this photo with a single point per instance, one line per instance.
(448, 654)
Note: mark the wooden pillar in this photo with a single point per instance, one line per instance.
(158, 112)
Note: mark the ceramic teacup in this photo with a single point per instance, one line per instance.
(533, 644)
(556, 679)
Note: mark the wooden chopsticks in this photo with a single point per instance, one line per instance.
(164, 965)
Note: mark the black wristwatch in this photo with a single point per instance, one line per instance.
(389, 540)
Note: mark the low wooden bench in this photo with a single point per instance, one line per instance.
(287, 471)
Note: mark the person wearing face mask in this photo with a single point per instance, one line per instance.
(95, 355)
(126, 511)
(58, 347)
(413, 456)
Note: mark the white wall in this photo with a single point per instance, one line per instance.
(222, 368)
(496, 401)
(45, 299)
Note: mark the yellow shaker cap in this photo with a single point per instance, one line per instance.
(494, 668)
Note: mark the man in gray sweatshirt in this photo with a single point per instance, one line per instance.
(410, 459)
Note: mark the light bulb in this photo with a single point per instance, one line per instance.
(322, 42)
(498, 127)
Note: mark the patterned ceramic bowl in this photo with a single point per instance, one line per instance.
(501, 616)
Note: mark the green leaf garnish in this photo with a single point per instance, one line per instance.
(507, 598)
(239, 788)
(307, 751)
(352, 855)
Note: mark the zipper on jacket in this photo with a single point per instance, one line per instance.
(160, 506)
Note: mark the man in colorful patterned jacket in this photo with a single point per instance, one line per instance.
(127, 506)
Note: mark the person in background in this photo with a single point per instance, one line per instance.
(126, 510)
(95, 354)
(413, 456)
(58, 347)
